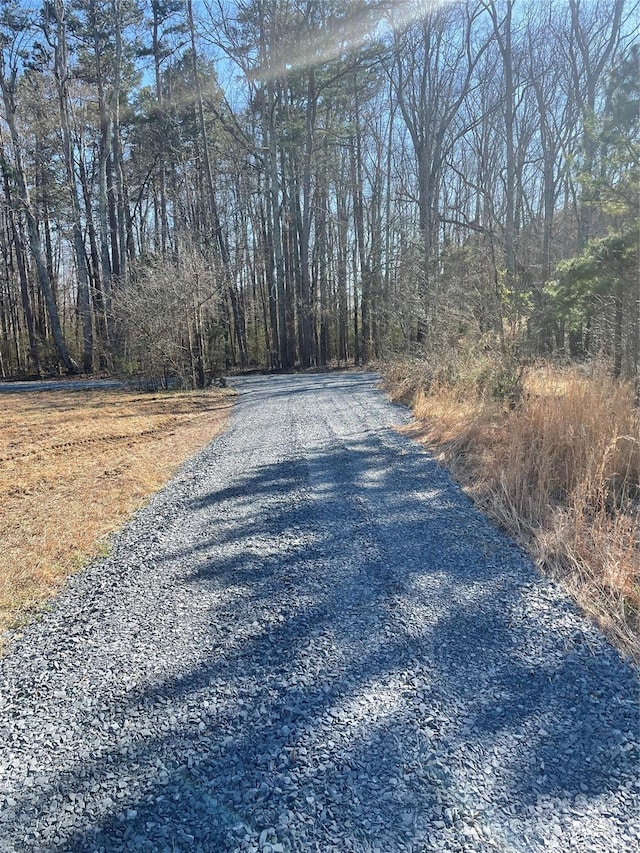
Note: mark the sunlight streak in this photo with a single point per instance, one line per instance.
(337, 38)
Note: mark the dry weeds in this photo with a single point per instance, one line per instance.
(560, 471)
(74, 466)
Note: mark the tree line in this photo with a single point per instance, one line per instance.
(191, 187)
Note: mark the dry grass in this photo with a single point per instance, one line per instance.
(561, 472)
(74, 466)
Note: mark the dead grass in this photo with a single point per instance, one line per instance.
(560, 471)
(74, 466)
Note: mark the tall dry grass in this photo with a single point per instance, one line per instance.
(560, 471)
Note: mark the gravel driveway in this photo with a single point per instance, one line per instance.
(311, 641)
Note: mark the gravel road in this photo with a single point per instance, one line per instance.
(62, 385)
(21, 387)
(311, 641)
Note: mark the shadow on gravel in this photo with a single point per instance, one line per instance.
(304, 385)
(372, 658)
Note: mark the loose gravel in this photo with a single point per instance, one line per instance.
(311, 641)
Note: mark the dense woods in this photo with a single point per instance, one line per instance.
(189, 187)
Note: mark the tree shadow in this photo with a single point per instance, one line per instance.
(372, 642)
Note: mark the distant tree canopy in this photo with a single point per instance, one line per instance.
(190, 188)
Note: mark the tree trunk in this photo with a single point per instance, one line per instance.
(35, 244)
(230, 292)
(18, 245)
(306, 356)
(84, 297)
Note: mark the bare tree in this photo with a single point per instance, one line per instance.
(13, 31)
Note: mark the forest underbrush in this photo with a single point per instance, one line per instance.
(553, 455)
(74, 465)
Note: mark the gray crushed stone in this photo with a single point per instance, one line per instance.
(311, 641)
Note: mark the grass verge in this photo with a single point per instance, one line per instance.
(74, 466)
(559, 470)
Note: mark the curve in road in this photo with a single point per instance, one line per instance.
(21, 387)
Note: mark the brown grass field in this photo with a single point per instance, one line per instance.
(74, 465)
(560, 471)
